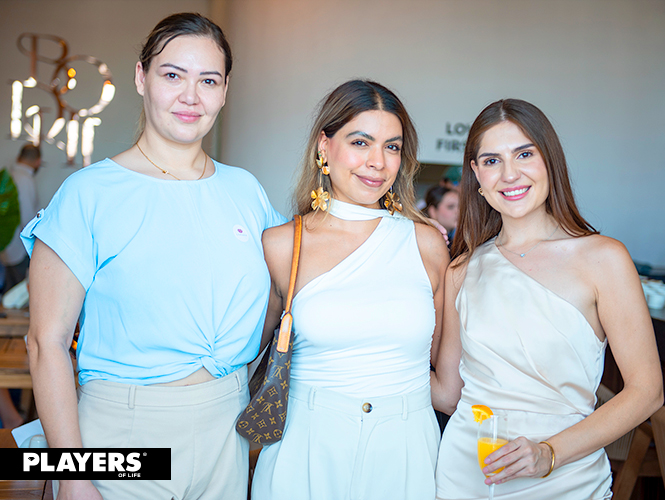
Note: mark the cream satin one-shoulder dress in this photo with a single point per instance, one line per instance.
(532, 355)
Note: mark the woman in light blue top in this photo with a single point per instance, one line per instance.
(159, 251)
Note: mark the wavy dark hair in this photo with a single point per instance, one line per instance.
(337, 109)
(478, 221)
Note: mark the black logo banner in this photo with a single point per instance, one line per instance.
(85, 463)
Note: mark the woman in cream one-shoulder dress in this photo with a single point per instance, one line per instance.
(532, 298)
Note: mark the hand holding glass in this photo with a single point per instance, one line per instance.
(492, 435)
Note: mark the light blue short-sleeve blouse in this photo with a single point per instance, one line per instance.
(174, 273)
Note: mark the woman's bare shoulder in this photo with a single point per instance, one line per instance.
(603, 258)
(278, 242)
(278, 233)
(600, 249)
(431, 243)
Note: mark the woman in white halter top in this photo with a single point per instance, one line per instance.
(368, 299)
(533, 296)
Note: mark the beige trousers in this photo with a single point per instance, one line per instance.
(209, 460)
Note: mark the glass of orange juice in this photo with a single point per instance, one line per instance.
(492, 435)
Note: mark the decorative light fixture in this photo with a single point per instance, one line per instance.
(58, 86)
(17, 110)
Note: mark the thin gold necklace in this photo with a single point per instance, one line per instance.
(166, 172)
(523, 254)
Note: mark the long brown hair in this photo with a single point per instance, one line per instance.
(478, 221)
(337, 109)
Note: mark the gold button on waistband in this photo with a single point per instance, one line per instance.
(367, 407)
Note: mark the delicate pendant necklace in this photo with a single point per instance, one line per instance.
(524, 253)
(166, 172)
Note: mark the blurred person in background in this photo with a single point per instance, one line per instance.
(14, 257)
(447, 182)
(442, 206)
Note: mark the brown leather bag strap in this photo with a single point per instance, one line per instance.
(287, 319)
(297, 238)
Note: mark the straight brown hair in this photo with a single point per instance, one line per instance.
(478, 221)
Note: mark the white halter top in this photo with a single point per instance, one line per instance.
(365, 327)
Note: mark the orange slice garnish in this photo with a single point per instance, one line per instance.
(481, 412)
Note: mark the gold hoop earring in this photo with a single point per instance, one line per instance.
(320, 197)
(480, 190)
(392, 202)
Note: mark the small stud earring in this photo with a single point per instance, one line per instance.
(480, 190)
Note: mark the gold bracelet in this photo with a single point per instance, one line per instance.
(553, 458)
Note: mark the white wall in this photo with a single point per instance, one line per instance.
(112, 31)
(595, 67)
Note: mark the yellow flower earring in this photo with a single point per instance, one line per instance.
(392, 202)
(320, 197)
(322, 164)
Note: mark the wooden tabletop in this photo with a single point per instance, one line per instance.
(23, 489)
(14, 322)
(6, 439)
(14, 366)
